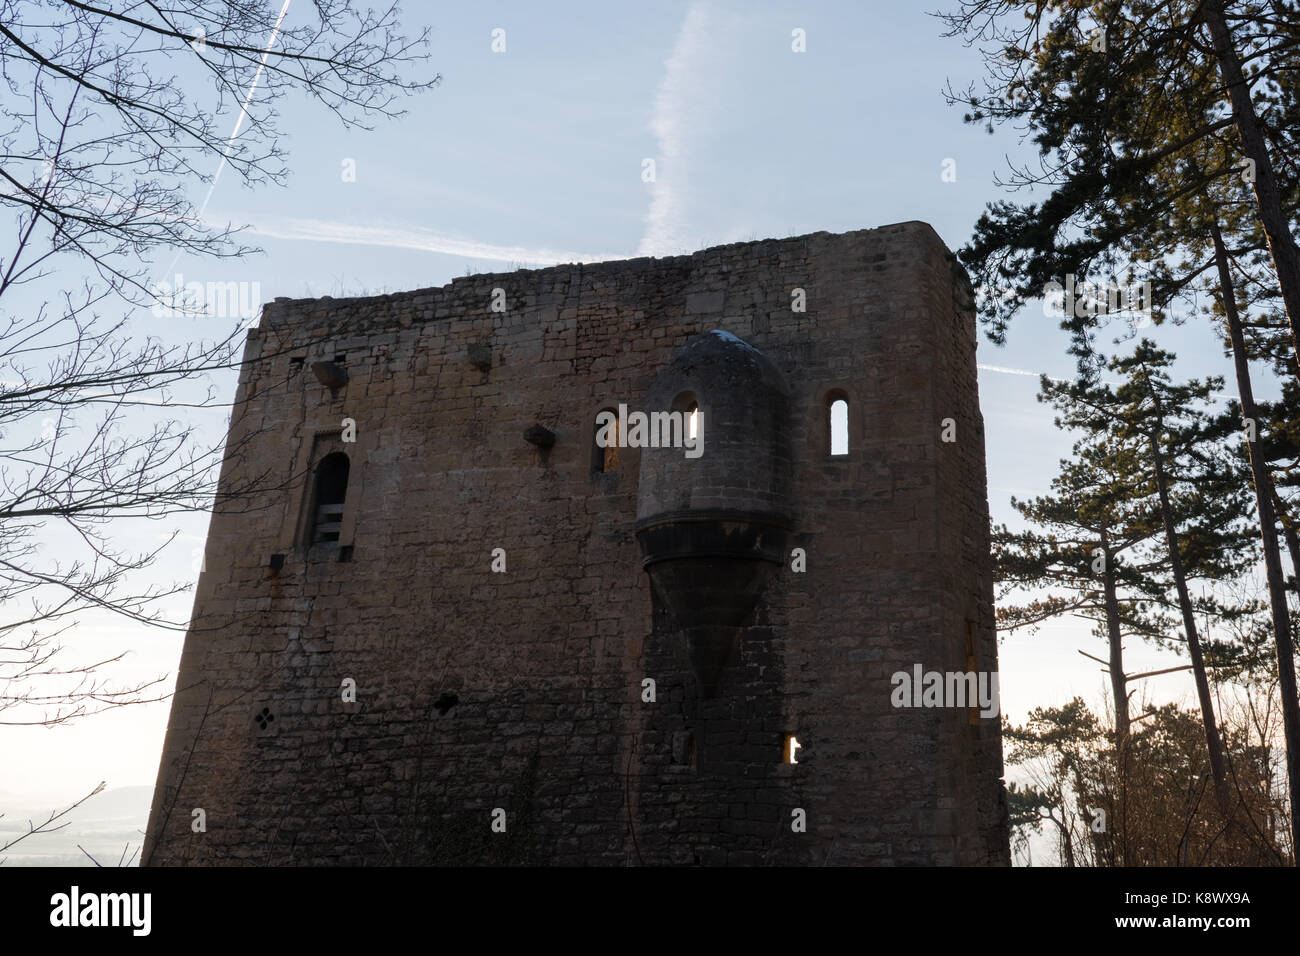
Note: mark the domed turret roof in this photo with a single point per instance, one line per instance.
(719, 358)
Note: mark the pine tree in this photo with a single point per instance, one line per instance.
(1149, 179)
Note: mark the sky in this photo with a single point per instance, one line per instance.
(533, 156)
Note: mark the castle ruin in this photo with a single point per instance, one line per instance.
(480, 613)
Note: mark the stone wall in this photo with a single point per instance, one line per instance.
(523, 690)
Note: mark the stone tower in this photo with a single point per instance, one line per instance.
(476, 611)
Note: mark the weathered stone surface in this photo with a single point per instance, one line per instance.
(524, 690)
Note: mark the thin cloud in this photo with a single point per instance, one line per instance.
(677, 116)
(676, 113)
(423, 240)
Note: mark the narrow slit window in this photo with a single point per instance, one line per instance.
(686, 410)
(331, 492)
(839, 426)
(604, 442)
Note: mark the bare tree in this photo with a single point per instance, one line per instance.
(112, 118)
(48, 825)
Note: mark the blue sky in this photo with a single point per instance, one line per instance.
(534, 156)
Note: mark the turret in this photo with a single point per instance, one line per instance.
(713, 521)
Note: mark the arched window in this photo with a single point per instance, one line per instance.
(687, 406)
(604, 441)
(837, 423)
(331, 492)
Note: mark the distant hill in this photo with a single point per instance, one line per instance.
(103, 825)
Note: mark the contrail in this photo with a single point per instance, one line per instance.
(677, 99)
(1225, 396)
(425, 240)
(1015, 371)
(243, 107)
(239, 121)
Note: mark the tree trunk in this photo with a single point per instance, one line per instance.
(1290, 536)
(1119, 691)
(1264, 497)
(1118, 683)
(1067, 844)
(1268, 199)
(1218, 766)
